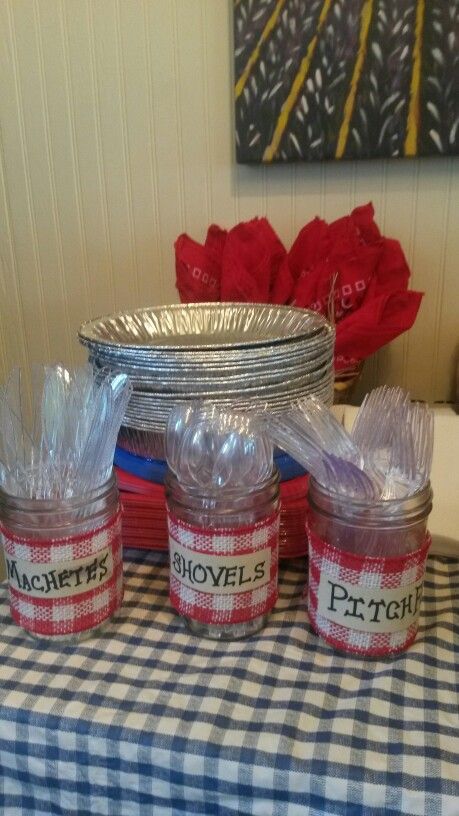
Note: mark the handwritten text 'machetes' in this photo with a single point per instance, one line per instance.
(61, 579)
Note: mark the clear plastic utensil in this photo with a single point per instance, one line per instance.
(88, 469)
(75, 419)
(376, 408)
(84, 396)
(244, 458)
(373, 429)
(12, 453)
(17, 449)
(10, 443)
(178, 422)
(404, 476)
(97, 469)
(229, 459)
(396, 439)
(262, 459)
(346, 477)
(218, 448)
(422, 429)
(325, 428)
(286, 433)
(293, 432)
(120, 390)
(401, 472)
(196, 455)
(52, 414)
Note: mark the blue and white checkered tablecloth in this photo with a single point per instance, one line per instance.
(147, 719)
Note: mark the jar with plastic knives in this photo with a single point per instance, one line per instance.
(223, 517)
(60, 517)
(64, 560)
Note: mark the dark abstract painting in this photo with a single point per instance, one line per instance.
(345, 79)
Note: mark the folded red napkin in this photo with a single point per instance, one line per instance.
(345, 270)
(198, 266)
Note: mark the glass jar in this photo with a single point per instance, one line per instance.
(64, 561)
(366, 569)
(224, 552)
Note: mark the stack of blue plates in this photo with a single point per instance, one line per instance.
(154, 470)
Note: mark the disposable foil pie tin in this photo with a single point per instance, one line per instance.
(233, 354)
(202, 326)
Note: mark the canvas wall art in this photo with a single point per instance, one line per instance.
(345, 79)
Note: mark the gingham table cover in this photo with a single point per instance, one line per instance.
(146, 719)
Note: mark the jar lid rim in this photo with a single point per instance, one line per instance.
(416, 503)
(217, 492)
(45, 505)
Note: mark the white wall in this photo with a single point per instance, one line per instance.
(117, 135)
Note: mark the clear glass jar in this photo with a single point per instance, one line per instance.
(366, 570)
(209, 525)
(387, 528)
(64, 561)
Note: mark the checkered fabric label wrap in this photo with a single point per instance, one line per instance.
(65, 586)
(362, 604)
(223, 575)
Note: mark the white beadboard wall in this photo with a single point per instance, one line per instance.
(117, 135)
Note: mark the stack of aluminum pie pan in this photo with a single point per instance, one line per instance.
(248, 356)
(241, 355)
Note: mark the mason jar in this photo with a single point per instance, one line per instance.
(366, 569)
(64, 561)
(224, 554)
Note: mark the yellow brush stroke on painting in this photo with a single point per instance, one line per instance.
(240, 84)
(290, 102)
(365, 20)
(412, 124)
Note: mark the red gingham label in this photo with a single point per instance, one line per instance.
(224, 575)
(65, 586)
(361, 604)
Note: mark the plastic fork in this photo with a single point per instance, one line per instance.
(373, 430)
(422, 429)
(401, 474)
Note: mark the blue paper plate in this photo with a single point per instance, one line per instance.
(154, 470)
(288, 468)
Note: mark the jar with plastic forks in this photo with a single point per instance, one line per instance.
(223, 555)
(366, 569)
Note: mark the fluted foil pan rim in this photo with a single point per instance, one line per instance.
(163, 404)
(209, 390)
(223, 324)
(155, 360)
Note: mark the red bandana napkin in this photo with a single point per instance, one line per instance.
(345, 270)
